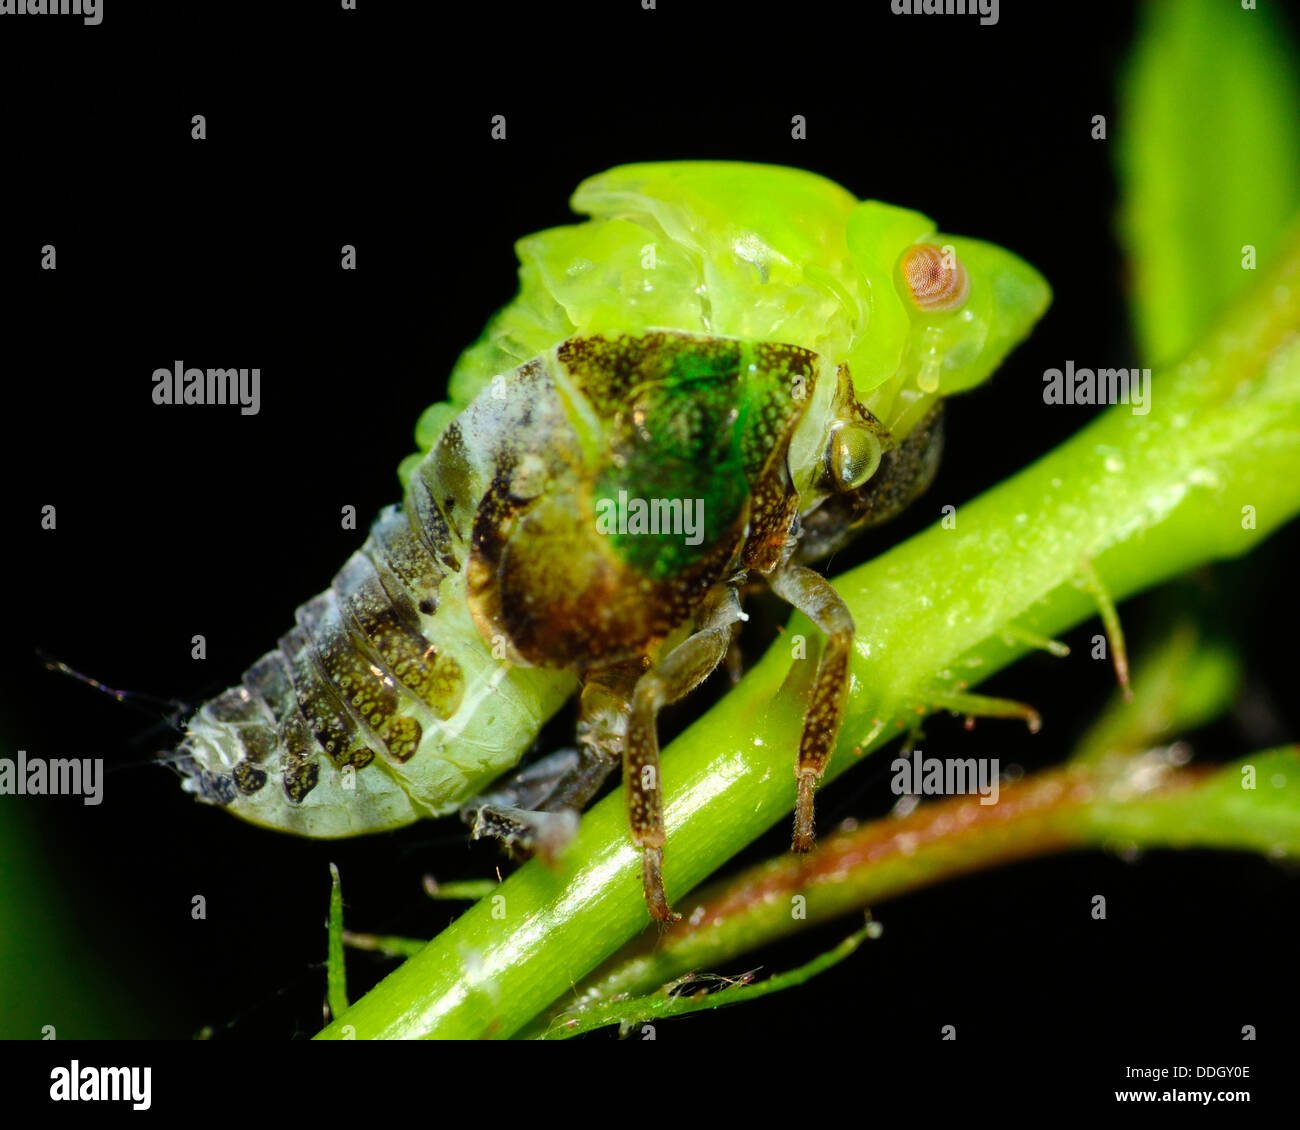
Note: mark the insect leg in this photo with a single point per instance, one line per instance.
(682, 669)
(522, 830)
(537, 808)
(814, 596)
(735, 658)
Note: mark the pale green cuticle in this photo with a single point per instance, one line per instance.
(757, 252)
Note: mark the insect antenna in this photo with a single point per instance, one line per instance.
(177, 708)
(168, 714)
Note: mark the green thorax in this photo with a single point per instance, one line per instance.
(693, 427)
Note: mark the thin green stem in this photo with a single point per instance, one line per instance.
(662, 1001)
(336, 981)
(1145, 801)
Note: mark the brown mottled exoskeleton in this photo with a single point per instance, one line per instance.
(767, 450)
(592, 517)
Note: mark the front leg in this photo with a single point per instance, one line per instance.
(814, 596)
(680, 671)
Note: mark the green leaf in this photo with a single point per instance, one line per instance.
(1209, 161)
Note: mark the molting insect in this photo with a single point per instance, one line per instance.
(751, 339)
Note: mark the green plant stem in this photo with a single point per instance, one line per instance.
(1141, 801)
(1114, 772)
(1142, 498)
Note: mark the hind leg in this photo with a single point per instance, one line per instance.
(516, 813)
(536, 809)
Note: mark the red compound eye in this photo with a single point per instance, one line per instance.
(937, 279)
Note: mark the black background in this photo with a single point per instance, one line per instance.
(372, 128)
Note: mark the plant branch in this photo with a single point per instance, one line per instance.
(1143, 801)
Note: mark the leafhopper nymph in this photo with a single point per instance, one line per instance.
(749, 340)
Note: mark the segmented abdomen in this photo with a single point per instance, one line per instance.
(430, 664)
(384, 704)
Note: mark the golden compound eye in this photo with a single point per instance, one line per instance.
(853, 454)
(936, 278)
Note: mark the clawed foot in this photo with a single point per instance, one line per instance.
(652, 859)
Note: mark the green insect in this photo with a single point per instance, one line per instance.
(726, 373)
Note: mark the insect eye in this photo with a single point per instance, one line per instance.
(853, 454)
(935, 277)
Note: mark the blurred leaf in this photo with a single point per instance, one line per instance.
(54, 979)
(1209, 161)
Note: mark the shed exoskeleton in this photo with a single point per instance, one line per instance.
(618, 457)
